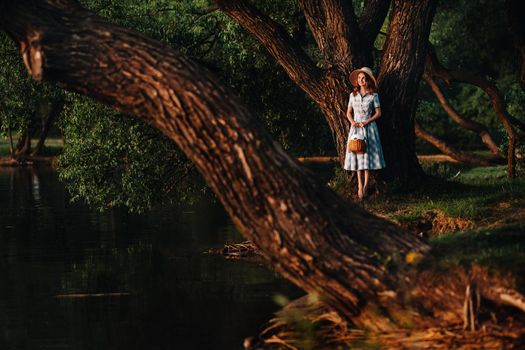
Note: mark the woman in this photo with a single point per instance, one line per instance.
(363, 110)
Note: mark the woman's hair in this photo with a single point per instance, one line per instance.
(371, 85)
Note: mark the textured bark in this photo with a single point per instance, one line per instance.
(469, 124)
(56, 109)
(334, 26)
(401, 69)
(309, 234)
(453, 152)
(498, 104)
(515, 13)
(371, 20)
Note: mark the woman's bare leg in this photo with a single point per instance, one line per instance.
(365, 183)
(360, 184)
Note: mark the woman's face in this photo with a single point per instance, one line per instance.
(362, 80)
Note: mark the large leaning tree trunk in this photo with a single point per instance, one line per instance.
(346, 42)
(356, 262)
(309, 234)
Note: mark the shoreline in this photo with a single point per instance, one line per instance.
(6, 161)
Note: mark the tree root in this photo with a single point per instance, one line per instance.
(464, 309)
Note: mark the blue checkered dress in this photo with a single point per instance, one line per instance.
(363, 108)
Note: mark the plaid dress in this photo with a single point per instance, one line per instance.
(363, 108)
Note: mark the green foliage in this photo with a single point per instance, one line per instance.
(196, 29)
(23, 101)
(471, 36)
(112, 160)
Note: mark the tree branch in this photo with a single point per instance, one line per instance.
(498, 104)
(334, 26)
(469, 124)
(451, 151)
(372, 18)
(276, 40)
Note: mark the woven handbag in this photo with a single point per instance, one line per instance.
(356, 146)
(356, 141)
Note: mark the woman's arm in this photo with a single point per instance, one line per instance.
(376, 115)
(349, 115)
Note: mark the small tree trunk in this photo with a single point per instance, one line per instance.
(56, 109)
(23, 146)
(11, 145)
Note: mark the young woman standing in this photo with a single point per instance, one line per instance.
(363, 110)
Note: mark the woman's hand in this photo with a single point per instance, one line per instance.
(353, 123)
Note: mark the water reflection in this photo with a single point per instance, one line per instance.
(170, 295)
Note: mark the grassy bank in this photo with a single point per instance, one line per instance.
(52, 147)
(472, 216)
(470, 197)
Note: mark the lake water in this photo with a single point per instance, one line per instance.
(74, 278)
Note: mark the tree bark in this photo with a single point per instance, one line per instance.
(334, 26)
(371, 20)
(309, 234)
(402, 65)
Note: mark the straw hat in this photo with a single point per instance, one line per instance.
(367, 71)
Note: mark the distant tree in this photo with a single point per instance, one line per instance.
(29, 109)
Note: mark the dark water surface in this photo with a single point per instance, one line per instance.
(179, 298)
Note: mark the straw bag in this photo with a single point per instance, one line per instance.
(356, 142)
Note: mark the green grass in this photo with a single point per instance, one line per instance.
(473, 195)
(502, 248)
(52, 147)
